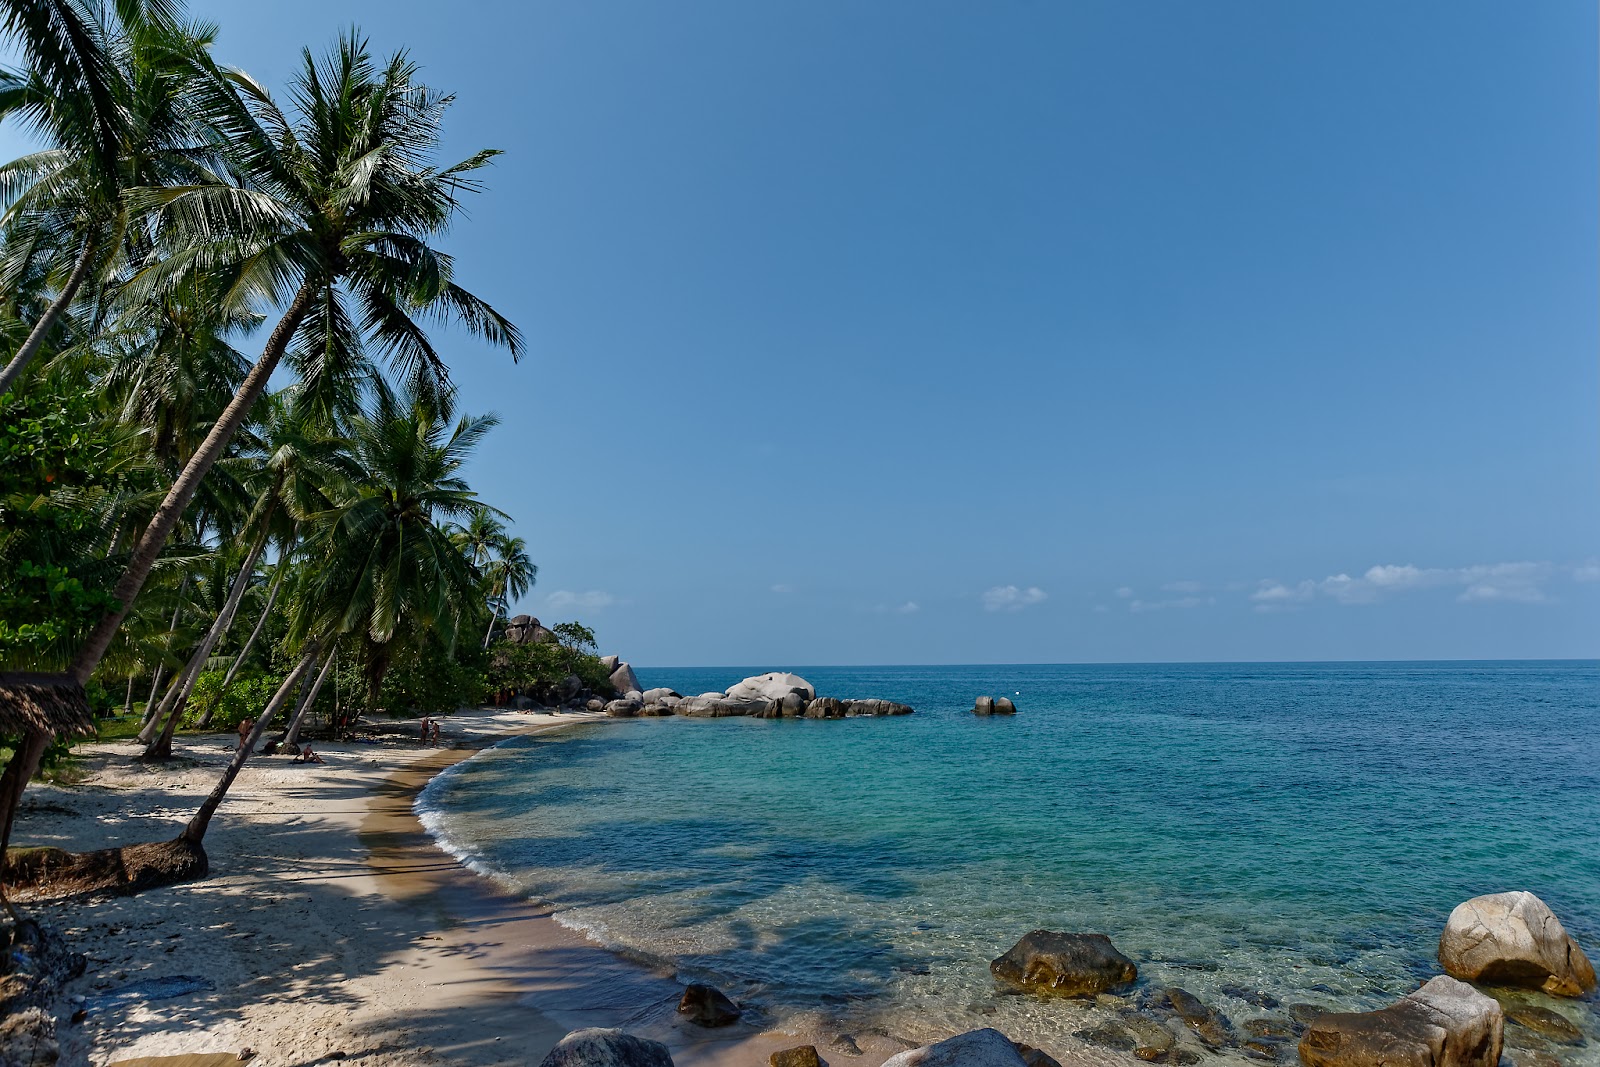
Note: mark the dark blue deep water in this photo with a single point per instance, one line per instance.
(1299, 830)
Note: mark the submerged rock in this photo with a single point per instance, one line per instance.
(1064, 965)
(975, 1048)
(1446, 1023)
(1514, 939)
(1151, 1040)
(801, 1056)
(1556, 1027)
(708, 1006)
(1208, 1024)
(606, 1048)
(1035, 1057)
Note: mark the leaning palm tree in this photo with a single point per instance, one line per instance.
(508, 576)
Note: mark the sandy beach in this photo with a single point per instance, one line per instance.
(331, 929)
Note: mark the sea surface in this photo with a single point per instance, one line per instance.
(1257, 833)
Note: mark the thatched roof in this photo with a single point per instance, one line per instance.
(54, 703)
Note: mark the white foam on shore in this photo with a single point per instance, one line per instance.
(429, 808)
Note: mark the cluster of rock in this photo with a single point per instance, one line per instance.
(976, 1048)
(763, 696)
(1502, 939)
(993, 706)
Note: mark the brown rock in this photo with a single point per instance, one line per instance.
(1514, 939)
(1063, 965)
(801, 1056)
(1208, 1024)
(1556, 1027)
(1446, 1023)
(707, 1006)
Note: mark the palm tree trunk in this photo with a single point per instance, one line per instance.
(22, 765)
(310, 698)
(494, 616)
(171, 510)
(150, 706)
(238, 661)
(178, 696)
(127, 701)
(195, 832)
(36, 336)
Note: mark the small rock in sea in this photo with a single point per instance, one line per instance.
(1279, 1028)
(1183, 1057)
(1035, 1057)
(607, 1048)
(1110, 1000)
(1110, 1035)
(1250, 996)
(846, 1044)
(1514, 939)
(975, 1048)
(1003, 706)
(1306, 1013)
(1446, 1023)
(983, 706)
(1059, 964)
(1261, 1050)
(1551, 1024)
(1152, 1040)
(1208, 1024)
(708, 1006)
(801, 1056)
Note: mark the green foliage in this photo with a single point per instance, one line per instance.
(576, 636)
(539, 668)
(433, 683)
(246, 698)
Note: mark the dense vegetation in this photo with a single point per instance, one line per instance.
(230, 452)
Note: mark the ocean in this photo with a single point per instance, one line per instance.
(1259, 834)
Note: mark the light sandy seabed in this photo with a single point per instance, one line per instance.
(332, 930)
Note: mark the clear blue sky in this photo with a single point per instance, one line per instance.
(932, 332)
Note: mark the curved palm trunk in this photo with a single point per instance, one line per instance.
(310, 698)
(494, 617)
(171, 510)
(36, 336)
(238, 661)
(127, 701)
(195, 832)
(178, 696)
(19, 768)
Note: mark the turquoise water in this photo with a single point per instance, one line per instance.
(1299, 831)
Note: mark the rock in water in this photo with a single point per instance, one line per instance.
(854, 709)
(1446, 1023)
(622, 709)
(607, 1048)
(802, 1056)
(1557, 1028)
(1035, 1057)
(707, 1006)
(1209, 1025)
(1514, 939)
(975, 1048)
(983, 706)
(655, 696)
(825, 708)
(1003, 706)
(1064, 965)
(773, 686)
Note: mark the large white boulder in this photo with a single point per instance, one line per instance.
(1514, 939)
(623, 680)
(975, 1048)
(773, 686)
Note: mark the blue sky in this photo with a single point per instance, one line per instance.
(929, 332)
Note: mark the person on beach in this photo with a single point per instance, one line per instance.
(245, 726)
(435, 734)
(308, 756)
(426, 724)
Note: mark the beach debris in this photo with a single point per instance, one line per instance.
(708, 1006)
(1514, 939)
(1064, 965)
(165, 988)
(975, 1048)
(35, 964)
(799, 1056)
(1553, 1025)
(1446, 1023)
(595, 1047)
(1208, 1024)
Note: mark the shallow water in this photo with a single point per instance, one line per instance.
(1293, 831)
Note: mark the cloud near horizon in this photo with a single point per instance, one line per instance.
(591, 600)
(1521, 582)
(1011, 598)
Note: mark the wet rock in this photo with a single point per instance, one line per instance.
(1306, 1013)
(801, 1056)
(606, 1048)
(1446, 1023)
(1060, 964)
(1152, 1041)
(846, 1044)
(1110, 1035)
(1250, 996)
(708, 1006)
(1556, 1027)
(1003, 706)
(856, 709)
(1208, 1024)
(824, 708)
(1035, 1057)
(623, 709)
(1282, 1029)
(983, 706)
(1111, 1001)
(1514, 939)
(975, 1048)
(1184, 1057)
(1258, 1049)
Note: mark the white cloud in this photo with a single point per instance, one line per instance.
(592, 600)
(1176, 604)
(782, 588)
(910, 607)
(1011, 598)
(1125, 592)
(1519, 581)
(1587, 571)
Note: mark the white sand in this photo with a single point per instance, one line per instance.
(331, 930)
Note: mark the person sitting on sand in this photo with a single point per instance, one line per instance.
(308, 756)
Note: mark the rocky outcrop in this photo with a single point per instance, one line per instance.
(656, 696)
(623, 680)
(1514, 939)
(983, 706)
(854, 709)
(993, 706)
(772, 686)
(607, 1048)
(526, 630)
(1003, 706)
(708, 1006)
(623, 709)
(975, 1048)
(794, 699)
(1446, 1023)
(1063, 965)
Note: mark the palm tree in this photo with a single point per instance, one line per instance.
(509, 575)
(335, 206)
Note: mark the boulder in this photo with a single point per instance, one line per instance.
(1151, 1040)
(1003, 706)
(1446, 1023)
(1543, 1021)
(623, 679)
(569, 688)
(854, 709)
(623, 709)
(824, 708)
(1063, 965)
(1514, 939)
(607, 1048)
(523, 702)
(1034, 1057)
(773, 686)
(708, 1006)
(656, 696)
(801, 1056)
(1208, 1024)
(975, 1048)
(983, 706)
(610, 662)
(595, 704)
